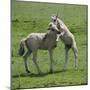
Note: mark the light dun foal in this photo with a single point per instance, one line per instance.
(66, 36)
(36, 41)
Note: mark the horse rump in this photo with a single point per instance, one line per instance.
(21, 48)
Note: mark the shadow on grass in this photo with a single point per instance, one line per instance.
(35, 75)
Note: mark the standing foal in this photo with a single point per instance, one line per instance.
(35, 41)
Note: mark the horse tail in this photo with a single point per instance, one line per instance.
(22, 48)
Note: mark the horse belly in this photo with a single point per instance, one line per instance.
(43, 46)
(67, 40)
(47, 45)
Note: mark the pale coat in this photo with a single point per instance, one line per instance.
(35, 41)
(66, 36)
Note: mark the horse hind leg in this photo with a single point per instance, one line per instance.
(67, 48)
(75, 50)
(25, 60)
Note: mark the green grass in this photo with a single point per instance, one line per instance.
(28, 17)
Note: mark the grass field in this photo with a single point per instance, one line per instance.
(28, 17)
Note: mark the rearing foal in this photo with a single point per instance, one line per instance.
(66, 36)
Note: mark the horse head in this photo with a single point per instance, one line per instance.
(56, 21)
(53, 28)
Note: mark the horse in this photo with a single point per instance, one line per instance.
(66, 37)
(35, 41)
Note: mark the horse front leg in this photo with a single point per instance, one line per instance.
(35, 61)
(51, 60)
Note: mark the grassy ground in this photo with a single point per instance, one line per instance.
(28, 17)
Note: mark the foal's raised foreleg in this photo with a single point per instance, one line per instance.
(25, 60)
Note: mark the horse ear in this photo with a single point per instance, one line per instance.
(51, 17)
(56, 17)
(57, 13)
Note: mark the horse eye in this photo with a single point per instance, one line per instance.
(54, 20)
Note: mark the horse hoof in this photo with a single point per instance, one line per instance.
(51, 71)
(64, 69)
(40, 73)
(27, 71)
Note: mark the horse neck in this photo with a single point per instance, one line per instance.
(52, 35)
(61, 25)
